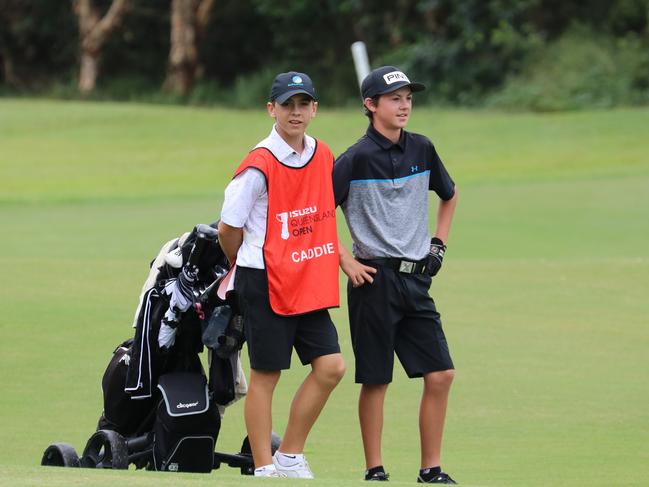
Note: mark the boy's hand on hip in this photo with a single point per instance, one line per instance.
(358, 273)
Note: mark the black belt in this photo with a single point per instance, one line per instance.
(399, 265)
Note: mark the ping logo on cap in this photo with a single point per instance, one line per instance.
(394, 77)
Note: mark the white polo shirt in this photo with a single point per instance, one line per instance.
(246, 198)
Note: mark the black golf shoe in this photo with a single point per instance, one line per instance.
(377, 473)
(440, 478)
(378, 476)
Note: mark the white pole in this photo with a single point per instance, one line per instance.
(361, 62)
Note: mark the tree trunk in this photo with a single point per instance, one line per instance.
(94, 30)
(89, 69)
(189, 19)
(8, 71)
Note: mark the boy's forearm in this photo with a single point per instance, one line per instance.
(445, 212)
(230, 239)
(343, 254)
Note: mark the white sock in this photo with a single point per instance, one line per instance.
(266, 468)
(288, 459)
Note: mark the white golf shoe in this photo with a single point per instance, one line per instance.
(294, 465)
(268, 471)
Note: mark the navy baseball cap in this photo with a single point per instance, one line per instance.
(386, 79)
(285, 85)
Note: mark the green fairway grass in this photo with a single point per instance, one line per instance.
(544, 292)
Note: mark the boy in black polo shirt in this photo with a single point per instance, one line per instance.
(382, 184)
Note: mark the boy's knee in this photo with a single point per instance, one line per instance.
(339, 370)
(441, 380)
(263, 380)
(330, 370)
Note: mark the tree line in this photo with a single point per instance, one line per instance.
(465, 50)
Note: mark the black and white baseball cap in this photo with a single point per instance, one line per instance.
(285, 85)
(387, 79)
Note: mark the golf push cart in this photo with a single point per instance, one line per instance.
(161, 410)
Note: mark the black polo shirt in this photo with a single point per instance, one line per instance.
(383, 189)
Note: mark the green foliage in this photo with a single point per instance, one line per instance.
(238, 42)
(247, 91)
(578, 71)
(136, 53)
(313, 37)
(37, 39)
(252, 91)
(469, 56)
(464, 51)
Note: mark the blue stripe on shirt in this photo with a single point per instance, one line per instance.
(382, 180)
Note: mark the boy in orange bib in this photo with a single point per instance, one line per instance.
(278, 224)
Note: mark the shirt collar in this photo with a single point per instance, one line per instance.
(383, 142)
(282, 150)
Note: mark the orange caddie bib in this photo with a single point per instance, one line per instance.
(301, 243)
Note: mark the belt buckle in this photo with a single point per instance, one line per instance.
(407, 267)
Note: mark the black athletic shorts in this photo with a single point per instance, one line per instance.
(271, 337)
(395, 314)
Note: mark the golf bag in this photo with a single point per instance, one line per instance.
(121, 413)
(163, 391)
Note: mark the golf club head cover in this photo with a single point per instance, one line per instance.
(181, 298)
(435, 256)
(166, 336)
(180, 290)
(174, 258)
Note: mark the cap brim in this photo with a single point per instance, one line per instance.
(397, 86)
(285, 96)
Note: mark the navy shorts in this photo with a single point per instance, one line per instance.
(395, 314)
(271, 337)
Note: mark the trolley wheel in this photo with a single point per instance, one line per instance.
(275, 441)
(60, 455)
(105, 449)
